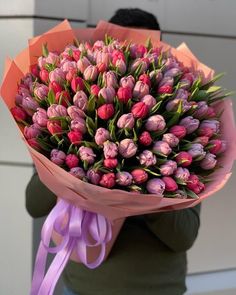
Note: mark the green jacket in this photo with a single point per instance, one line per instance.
(149, 255)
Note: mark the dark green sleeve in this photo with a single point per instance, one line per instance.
(176, 229)
(39, 199)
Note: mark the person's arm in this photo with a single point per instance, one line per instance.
(176, 229)
(39, 199)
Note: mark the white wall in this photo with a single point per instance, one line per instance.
(196, 23)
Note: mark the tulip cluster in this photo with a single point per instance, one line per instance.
(123, 116)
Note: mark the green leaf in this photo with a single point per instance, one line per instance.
(87, 86)
(100, 100)
(176, 116)
(159, 154)
(190, 193)
(91, 104)
(213, 80)
(43, 144)
(135, 138)
(151, 172)
(213, 89)
(90, 125)
(148, 44)
(179, 181)
(212, 100)
(89, 144)
(155, 108)
(139, 123)
(51, 97)
(45, 50)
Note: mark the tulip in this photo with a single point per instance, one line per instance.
(173, 72)
(63, 98)
(127, 148)
(170, 184)
(156, 76)
(90, 73)
(108, 93)
(168, 168)
(124, 178)
(182, 174)
(69, 66)
(79, 125)
(80, 100)
(77, 84)
(139, 63)
(124, 94)
(156, 186)
(94, 176)
(209, 162)
(95, 89)
(108, 180)
(126, 121)
(76, 54)
(128, 81)
(29, 105)
(87, 154)
(140, 90)
(162, 147)
(57, 157)
(109, 79)
(19, 114)
(55, 87)
(139, 176)
(184, 159)
(52, 58)
(210, 113)
(18, 99)
(139, 110)
(110, 163)
(171, 139)
(103, 58)
(72, 161)
(41, 62)
(120, 66)
(41, 91)
(213, 125)
(187, 80)
(106, 111)
(205, 131)
(82, 64)
(54, 127)
(78, 172)
(203, 140)
(197, 151)
(201, 110)
(31, 131)
(147, 158)
(57, 75)
(190, 124)
(193, 181)
(166, 81)
(40, 117)
(165, 89)
(145, 138)
(75, 113)
(101, 136)
(182, 94)
(149, 101)
(75, 137)
(178, 131)
(56, 110)
(145, 79)
(110, 149)
(155, 123)
(219, 146)
(180, 194)
(34, 144)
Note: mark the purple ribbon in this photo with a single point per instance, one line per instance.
(77, 227)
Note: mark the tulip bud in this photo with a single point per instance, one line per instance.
(197, 151)
(156, 186)
(205, 125)
(95, 89)
(209, 162)
(29, 105)
(101, 136)
(34, 144)
(190, 124)
(108, 93)
(54, 127)
(178, 131)
(145, 79)
(128, 81)
(87, 154)
(80, 100)
(109, 79)
(124, 178)
(145, 138)
(110, 149)
(56, 110)
(162, 147)
(147, 158)
(31, 131)
(124, 94)
(57, 75)
(77, 172)
(120, 66)
(19, 114)
(94, 176)
(170, 184)
(182, 174)
(140, 90)
(77, 84)
(201, 110)
(75, 137)
(63, 98)
(41, 91)
(127, 148)
(203, 140)
(168, 168)
(108, 180)
(72, 161)
(82, 64)
(184, 159)
(57, 157)
(110, 163)
(76, 54)
(165, 89)
(171, 139)
(126, 121)
(106, 111)
(139, 110)
(55, 87)
(139, 176)
(78, 125)
(193, 181)
(155, 123)
(149, 101)
(69, 66)
(90, 73)
(75, 113)
(40, 117)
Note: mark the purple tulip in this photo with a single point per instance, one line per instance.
(56, 110)
(209, 162)
(57, 75)
(173, 105)
(80, 100)
(126, 121)
(78, 172)
(162, 147)
(147, 158)
(87, 154)
(140, 89)
(155, 123)
(214, 125)
(197, 151)
(156, 75)
(127, 148)
(182, 174)
(167, 81)
(156, 186)
(124, 178)
(29, 105)
(171, 139)
(190, 124)
(168, 168)
(101, 136)
(41, 91)
(201, 110)
(40, 117)
(32, 131)
(94, 176)
(173, 72)
(139, 62)
(110, 79)
(79, 125)
(110, 149)
(57, 157)
(182, 93)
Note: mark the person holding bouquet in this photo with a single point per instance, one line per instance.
(149, 255)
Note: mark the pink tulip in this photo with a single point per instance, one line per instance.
(79, 125)
(101, 136)
(56, 110)
(19, 114)
(178, 131)
(75, 137)
(54, 127)
(110, 79)
(124, 178)
(182, 174)
(124, 94)
(149, 101)
(184, 159)
(32, 131)
(40, 117)
(72, 161)
(80, 100)
(110, 149)
(155, 123)
(162, 147)
(106, 111)
(127, 148)
(108, 180)
(94, 176)
(108, 93)
(87, 154)
(90, 73)
(77, 84)
(156, 186)
(170, 184)
(82, 64)
(168, 168)
(171, 139)
(57, 75)
(126, 121)
(147, 158)
(209, 162)
(110, 163)
(75, 113)
(128, 81)
(145, 138)
(139, 110)
(140, 90)
(139, 176)
(41, 91)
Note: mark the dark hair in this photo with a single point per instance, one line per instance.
(135, 17)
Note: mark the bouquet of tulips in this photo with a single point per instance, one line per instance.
(110, 119)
